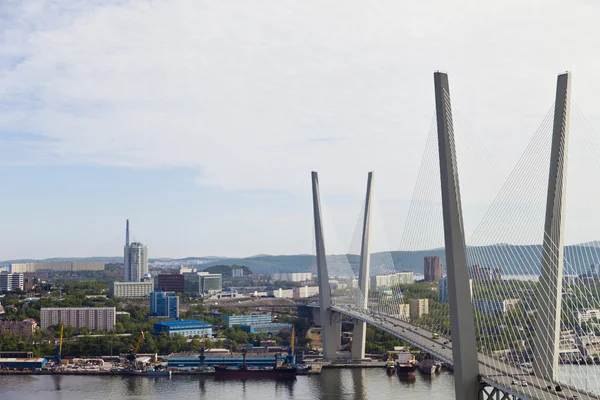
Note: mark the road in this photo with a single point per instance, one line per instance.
(493, 371)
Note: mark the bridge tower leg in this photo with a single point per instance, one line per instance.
(360, 327)
(331, 332)
(547, 335)
(464, 354)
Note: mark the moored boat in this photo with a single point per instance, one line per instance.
(390, 368)
(147, 372)
(427, 367)
(405, 365)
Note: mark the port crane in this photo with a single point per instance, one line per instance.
(58, 355)
(133, 351)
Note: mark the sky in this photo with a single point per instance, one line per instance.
(201, 121)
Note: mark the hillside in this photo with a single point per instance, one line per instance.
(525, 257)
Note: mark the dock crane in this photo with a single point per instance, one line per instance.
(133, 352)
(58, 356)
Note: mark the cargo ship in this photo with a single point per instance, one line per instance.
(284, 368)
(405, 365)
(428, 367)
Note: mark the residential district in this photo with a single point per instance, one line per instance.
(92, 316)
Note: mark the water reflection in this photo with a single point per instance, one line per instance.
(56, 380)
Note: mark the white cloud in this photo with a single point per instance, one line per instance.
(257, 94)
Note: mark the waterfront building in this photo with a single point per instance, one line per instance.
(135, 260)
(443, 289)
(292, 276)
(303, 292)
(266, 328)
(164, 304)
(131, 290)
(432, 268)
(24, 329)
(93, 318)
(495, 306)
(10, 282)
(202, 283)
(187, 328)
(389, 280)
(419, 307)
(23, 363)
(70, 266)
(170, 283)
(250, 319)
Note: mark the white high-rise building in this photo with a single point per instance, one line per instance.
(10, 282)
(136, 259)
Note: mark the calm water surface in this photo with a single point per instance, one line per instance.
(345, 384)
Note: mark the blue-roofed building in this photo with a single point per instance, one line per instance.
(187, 328)
(266, 328)
(251, 319)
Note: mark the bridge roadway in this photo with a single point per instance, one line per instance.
(493, 372)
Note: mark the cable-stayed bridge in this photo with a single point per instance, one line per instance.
(505, 338)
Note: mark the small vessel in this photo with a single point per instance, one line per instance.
(427, 367)
(150, 371)
(390, 368)
(405, 364)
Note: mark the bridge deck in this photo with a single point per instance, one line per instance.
(494, 372)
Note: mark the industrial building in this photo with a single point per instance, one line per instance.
(131, 290)
(57, 266)
(266, 328)
(202, 283)
(22, 363)
(93, 318)
(170, 283)
(12, 281)
(187, 328)
(305, 291)
(164, 304)
(250, 319)
(281, 293)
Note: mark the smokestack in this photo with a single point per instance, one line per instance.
(127, 234)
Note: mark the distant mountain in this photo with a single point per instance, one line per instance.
(523, 259)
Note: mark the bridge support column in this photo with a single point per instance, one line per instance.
(547, 335)
(464, 347)
(331, 332)
(360, 327)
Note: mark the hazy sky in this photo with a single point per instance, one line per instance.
(201, 120)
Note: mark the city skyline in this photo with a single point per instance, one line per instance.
(205, 135)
